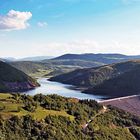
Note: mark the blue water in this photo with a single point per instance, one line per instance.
(49, 87)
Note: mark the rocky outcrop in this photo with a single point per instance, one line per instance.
(20, 86)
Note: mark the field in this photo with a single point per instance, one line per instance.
(10, 107)
(40, 73)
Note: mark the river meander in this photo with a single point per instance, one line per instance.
(49, 87)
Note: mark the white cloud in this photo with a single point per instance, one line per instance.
(77, 46)
(15, 20)
(86, 46)
(42, 24)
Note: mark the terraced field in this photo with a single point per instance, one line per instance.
(10, 107)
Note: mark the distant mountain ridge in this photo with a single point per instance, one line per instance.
(87, 56)
(35, 58)
(102, 58)
(13, 80)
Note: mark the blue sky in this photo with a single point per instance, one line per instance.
(55, 27)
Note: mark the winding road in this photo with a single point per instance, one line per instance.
(102, 111)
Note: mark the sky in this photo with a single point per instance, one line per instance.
(56, 27)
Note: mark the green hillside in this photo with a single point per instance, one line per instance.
(125, 84)
(67, 63)
(124, 77)
(54, 117)
(27, 66)
(94, 76)
(39, 69)
(72, 63)
(12, 79)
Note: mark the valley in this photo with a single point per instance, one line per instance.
(98, 82)
(49, 87)
(114, 80)
(99, 79)
(68, 62)
(69, 70)
(69, 98)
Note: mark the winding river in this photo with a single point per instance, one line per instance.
(49, 87)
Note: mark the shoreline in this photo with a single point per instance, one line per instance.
(81, 89)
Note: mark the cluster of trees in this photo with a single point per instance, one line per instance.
(81, 110)
(135, 132)
(52, 102)
(29, 104)
(53, 127)
(2, 107)
(112, 125)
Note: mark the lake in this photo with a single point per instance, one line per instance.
(49, 87)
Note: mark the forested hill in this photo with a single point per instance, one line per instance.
(124, 77)
(54, 117)
(12, 79)
(67, 63)
(28, 67)
(122, 85)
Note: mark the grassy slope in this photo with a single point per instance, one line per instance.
(39, 69)
(72, 63)
(11, 108)
(28, 67)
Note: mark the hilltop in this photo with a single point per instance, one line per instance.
(12, 79)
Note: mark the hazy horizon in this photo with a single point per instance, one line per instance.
(31, 28)
(26, 57)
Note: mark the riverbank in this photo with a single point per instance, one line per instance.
(49, 87)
